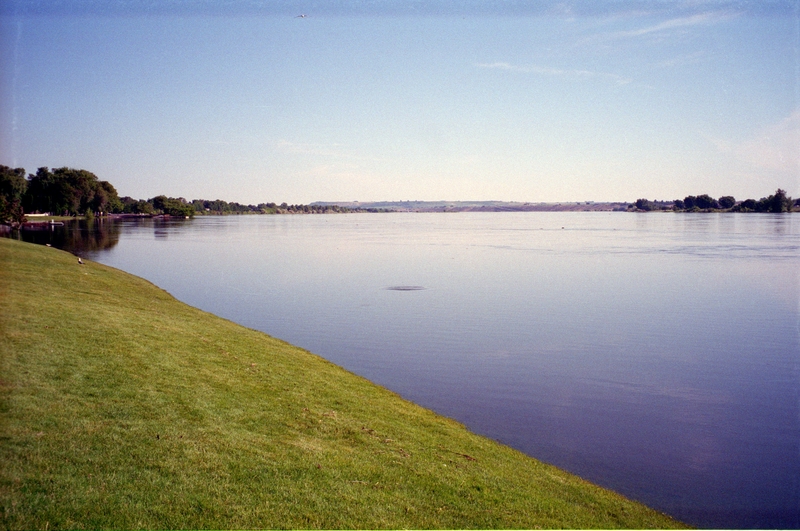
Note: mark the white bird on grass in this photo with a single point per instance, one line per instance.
(80, 261)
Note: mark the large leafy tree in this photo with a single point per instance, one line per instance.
(106, 198)
(12, 188)
(69, 191)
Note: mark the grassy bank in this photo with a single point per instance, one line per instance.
(124, 408)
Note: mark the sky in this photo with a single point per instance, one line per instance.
(388, 100)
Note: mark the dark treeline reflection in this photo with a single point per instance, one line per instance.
(78, 237)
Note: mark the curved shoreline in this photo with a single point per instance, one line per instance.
(123, 407)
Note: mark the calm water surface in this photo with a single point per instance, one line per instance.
(654, 354)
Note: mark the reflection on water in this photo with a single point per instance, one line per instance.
(78, 236)
(656, 354)
(86, 236)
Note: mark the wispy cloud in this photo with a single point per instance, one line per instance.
(557, 72)
(664, 29)
(671, 24)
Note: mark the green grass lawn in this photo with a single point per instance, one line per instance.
(42, 219)
(122, 407)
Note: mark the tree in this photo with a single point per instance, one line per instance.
(172, 206)
(136, 206)
(40, 195)
(12, 183)
(748, 205)
(705, 201)
(69, 191)
(106, 198)
(81, 186)
(779, 202)
(727, 201)
(12, 188)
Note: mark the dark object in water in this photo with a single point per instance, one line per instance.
(405, 288)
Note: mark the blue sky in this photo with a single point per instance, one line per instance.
(388, 100)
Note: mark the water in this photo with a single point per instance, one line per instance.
(654, 354)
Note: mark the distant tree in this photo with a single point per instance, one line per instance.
(180, 209)
(748, 205)
(159, 202)
(726, 201)
(172, 206)
(779, 202)
(705, 201)
(136, 206)
(267, 208)
(702, 202)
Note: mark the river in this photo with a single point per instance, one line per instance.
(655, 354)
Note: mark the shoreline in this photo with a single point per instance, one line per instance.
(127, 408)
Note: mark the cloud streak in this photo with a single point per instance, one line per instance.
(574, 74)
(660, 30)
(671, 24)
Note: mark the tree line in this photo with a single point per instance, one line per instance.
(63, 191)
(73, 192)
(775, 203)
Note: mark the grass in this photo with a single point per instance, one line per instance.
(122, 407)
(41, 219)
